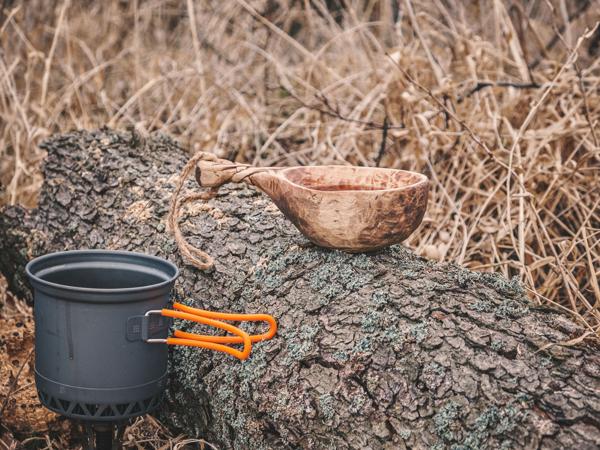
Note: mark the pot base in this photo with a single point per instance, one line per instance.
(100, 405)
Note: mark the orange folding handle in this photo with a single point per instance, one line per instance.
(215, 319)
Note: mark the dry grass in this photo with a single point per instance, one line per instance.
(471, 93)
(497, 101)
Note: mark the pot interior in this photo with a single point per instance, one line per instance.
(102, 270)
(98, 277)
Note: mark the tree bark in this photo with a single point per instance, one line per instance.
(385, 350)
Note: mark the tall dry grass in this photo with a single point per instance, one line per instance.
(497, 101)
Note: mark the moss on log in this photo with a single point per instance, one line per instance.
(386, 350)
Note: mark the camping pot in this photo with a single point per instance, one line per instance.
(101, 323)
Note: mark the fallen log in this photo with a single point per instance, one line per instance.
(385, 350)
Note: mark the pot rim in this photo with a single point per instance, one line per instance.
(30, 269)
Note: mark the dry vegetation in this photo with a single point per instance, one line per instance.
(497, 101)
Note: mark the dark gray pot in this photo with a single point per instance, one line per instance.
(91, 358)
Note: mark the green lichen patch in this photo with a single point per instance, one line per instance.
(370, 321)
(362, 261)
(332, 279)
(508, 288)
(358, 402)
(496, 345)
(299, 343)
(511, 309)
(365, 345)
(185, 363)
(252, 369)
(326, 405)
(493, 421)
(380, 297)
(420, 331)
(333, 273)
(404, 434)
(483, 306)
(392, 336)
(507, 309)
(405, 259)
(341, 356)
(411, 274)
(444, 421)
(278, 260)
(434, 368)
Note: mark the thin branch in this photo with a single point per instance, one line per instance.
(450, 113)
(485, 84)
(333, 111)
(383, 139)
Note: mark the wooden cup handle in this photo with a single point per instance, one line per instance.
(211, 172)
(214, 172)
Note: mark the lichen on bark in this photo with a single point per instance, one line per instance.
(386, 350)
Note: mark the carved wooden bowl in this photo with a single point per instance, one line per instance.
(355, 209)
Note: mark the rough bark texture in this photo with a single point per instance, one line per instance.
(374, 351)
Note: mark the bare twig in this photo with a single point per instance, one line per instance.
(384, 133)
(333, 111)
(450, 113)
(485, 84)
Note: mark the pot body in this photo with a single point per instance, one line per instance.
(91, 358)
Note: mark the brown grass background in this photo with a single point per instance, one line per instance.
(515, 170)
(498, 102)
